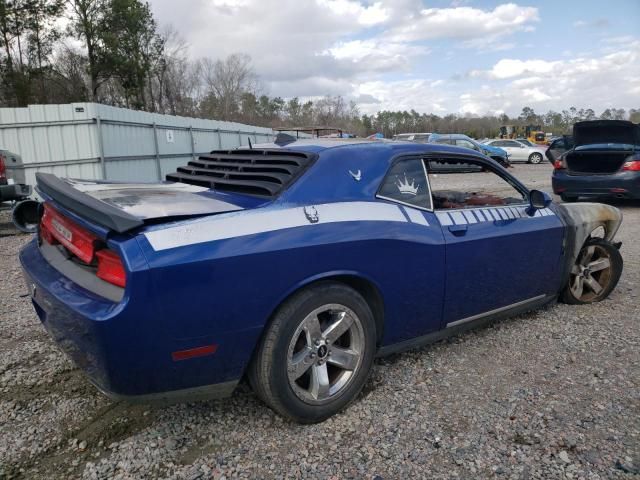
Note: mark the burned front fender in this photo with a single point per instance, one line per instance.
(581, 220)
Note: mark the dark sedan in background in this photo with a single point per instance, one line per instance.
(604, 161)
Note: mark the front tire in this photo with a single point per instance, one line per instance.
(316, 353)
(535, 158)
(594, 274)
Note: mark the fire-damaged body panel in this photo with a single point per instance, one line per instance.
(168, 290)
(582, 220)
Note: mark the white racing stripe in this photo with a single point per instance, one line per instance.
(463, 217)
(416, 216)
(444, 219)
(250, 222)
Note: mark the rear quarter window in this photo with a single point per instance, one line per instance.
(406, 183)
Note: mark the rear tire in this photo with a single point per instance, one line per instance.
(568, 198)
(594, 274)
(535, 158)
(315, 355)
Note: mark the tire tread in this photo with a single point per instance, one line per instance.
(260, 371)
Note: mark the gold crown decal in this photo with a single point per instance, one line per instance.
(406, 187)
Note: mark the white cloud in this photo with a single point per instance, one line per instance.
(508, 68)
(378, 52)
(598, 82)
(465, 23)
(375, 56)
(419, 95)
(365, 15)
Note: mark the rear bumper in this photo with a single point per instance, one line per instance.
(124, 347)
(619, 185)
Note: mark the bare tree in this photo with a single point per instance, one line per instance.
(176, 79)
(226, 81)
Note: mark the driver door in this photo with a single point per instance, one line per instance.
(517, 152)
(497, 256)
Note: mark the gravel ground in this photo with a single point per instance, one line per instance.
(550, 394)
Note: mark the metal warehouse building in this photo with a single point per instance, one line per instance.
(93, 141)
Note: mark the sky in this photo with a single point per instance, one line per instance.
(442, 56)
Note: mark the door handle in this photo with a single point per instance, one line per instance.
(458, 230)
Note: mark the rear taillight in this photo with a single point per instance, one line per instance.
(110, 268)
(558, 165)
(632, 166)
(79, 242)
(3, 167)
(55, 228)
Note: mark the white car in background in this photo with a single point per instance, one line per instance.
(519, 151)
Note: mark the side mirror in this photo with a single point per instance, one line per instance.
(538, 200)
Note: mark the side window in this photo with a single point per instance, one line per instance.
(461, 186)
(442, 140)
(512, 144)
(466, 144)
(406, 182)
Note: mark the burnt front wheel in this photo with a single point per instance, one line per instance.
(594, 274)
(316, 353)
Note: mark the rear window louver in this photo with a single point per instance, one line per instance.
(252, 172)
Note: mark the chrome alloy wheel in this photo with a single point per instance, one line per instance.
(325, 353)
(591, 274)
(535, 158)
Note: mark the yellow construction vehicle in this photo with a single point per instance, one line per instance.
(533, 133)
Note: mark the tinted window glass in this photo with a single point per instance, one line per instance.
(460, 188)
(406, 183)
(511, 143)
(465, 144)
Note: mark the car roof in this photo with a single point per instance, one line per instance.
(453, 136)
(317, 145)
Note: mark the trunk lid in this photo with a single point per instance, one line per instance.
(601, 146)
(125, 206)
(606, 132)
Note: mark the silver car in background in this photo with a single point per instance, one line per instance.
(519, 151)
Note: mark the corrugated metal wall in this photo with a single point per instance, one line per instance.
(93, 141)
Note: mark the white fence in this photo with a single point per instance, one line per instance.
(93, 141)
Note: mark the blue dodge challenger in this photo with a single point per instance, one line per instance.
(294, 264)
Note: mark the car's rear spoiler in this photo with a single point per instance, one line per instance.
(85, 205)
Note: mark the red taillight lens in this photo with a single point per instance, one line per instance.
(79, 242)
(3, 167)
(632, 166)
(558, 165)
(110, 268)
